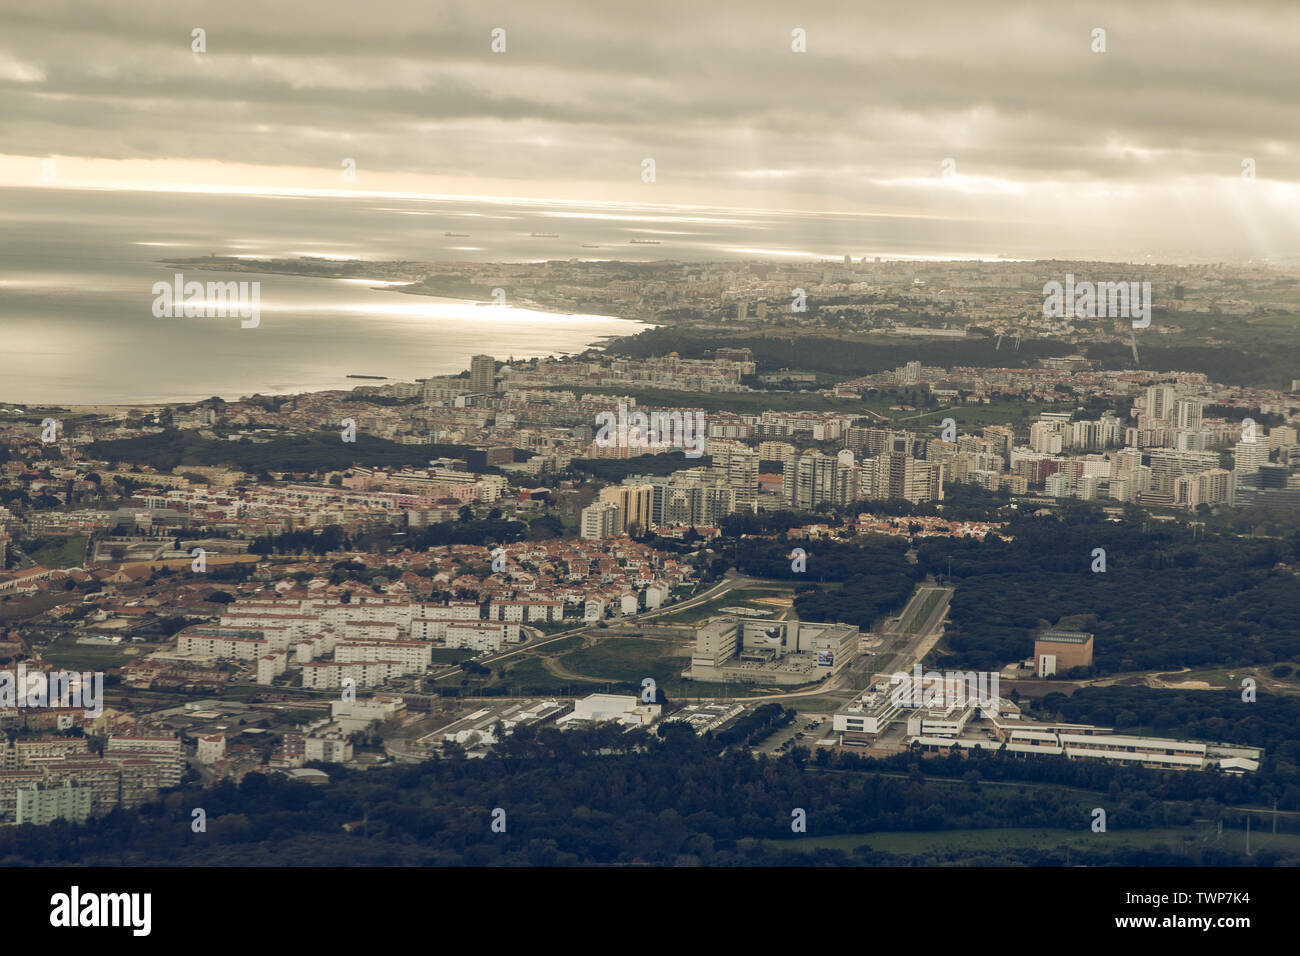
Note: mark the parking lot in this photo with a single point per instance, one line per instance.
(802, 731)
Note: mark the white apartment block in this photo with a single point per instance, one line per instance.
(327, 676)
(368, 631)
(297, 624)
(477, 635)
(237, 648)
(415, 655)
(317, 645)
(529, 611)
(271, 666)
(330, 748)
(655, 595)
(164, 752)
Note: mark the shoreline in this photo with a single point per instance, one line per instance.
(395, 282)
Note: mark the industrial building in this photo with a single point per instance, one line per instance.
(1060, 651)
(950, 723)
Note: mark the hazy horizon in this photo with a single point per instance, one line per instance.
(1004, 115)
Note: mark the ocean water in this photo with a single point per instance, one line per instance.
(77, 268)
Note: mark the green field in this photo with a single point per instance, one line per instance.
(626, 659)
(622, 661)
(61, 553)
(966, 416)
(17, 609)
(565, 644)
(631, 660)
(741, 597)
(531, 677)
(67, 653)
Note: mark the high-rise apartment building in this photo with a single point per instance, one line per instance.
(737, 466)
(900, 476)
(1046, 438)
(814, 478)
(1213, 487)
(483, 375)
(691, 498)
(43, 804)
(1188, 413)
(634, 503)
(1247, 456)
(1168, 466)
(600, 520)
(1160, 402)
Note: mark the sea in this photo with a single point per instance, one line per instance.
(78, 266)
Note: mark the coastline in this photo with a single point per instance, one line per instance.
(347, 382)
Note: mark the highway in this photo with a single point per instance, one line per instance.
(916, 644)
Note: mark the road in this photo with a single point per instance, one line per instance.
(917, 636)
(729, 582)
(916, 644)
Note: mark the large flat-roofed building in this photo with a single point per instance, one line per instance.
(933, 704)
(597, 708)
(783, 652)
(716, 641)
(945, 718)
(1059, 651)
(867, 716)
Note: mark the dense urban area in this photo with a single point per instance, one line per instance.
(881, 547)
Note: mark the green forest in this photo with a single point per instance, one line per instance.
(1167, 598)
(605, 796)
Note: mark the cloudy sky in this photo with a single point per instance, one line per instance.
(1147, 137)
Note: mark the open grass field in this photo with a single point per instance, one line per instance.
(61, 553)
(530, 676)
(626, 659)
(759, 599)
(68, 654)
(18, 609)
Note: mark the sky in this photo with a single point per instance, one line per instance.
(1000, 112)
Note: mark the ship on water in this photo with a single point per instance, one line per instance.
(545, 235)
(590, 245)
(457, 235)
(645, 242)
